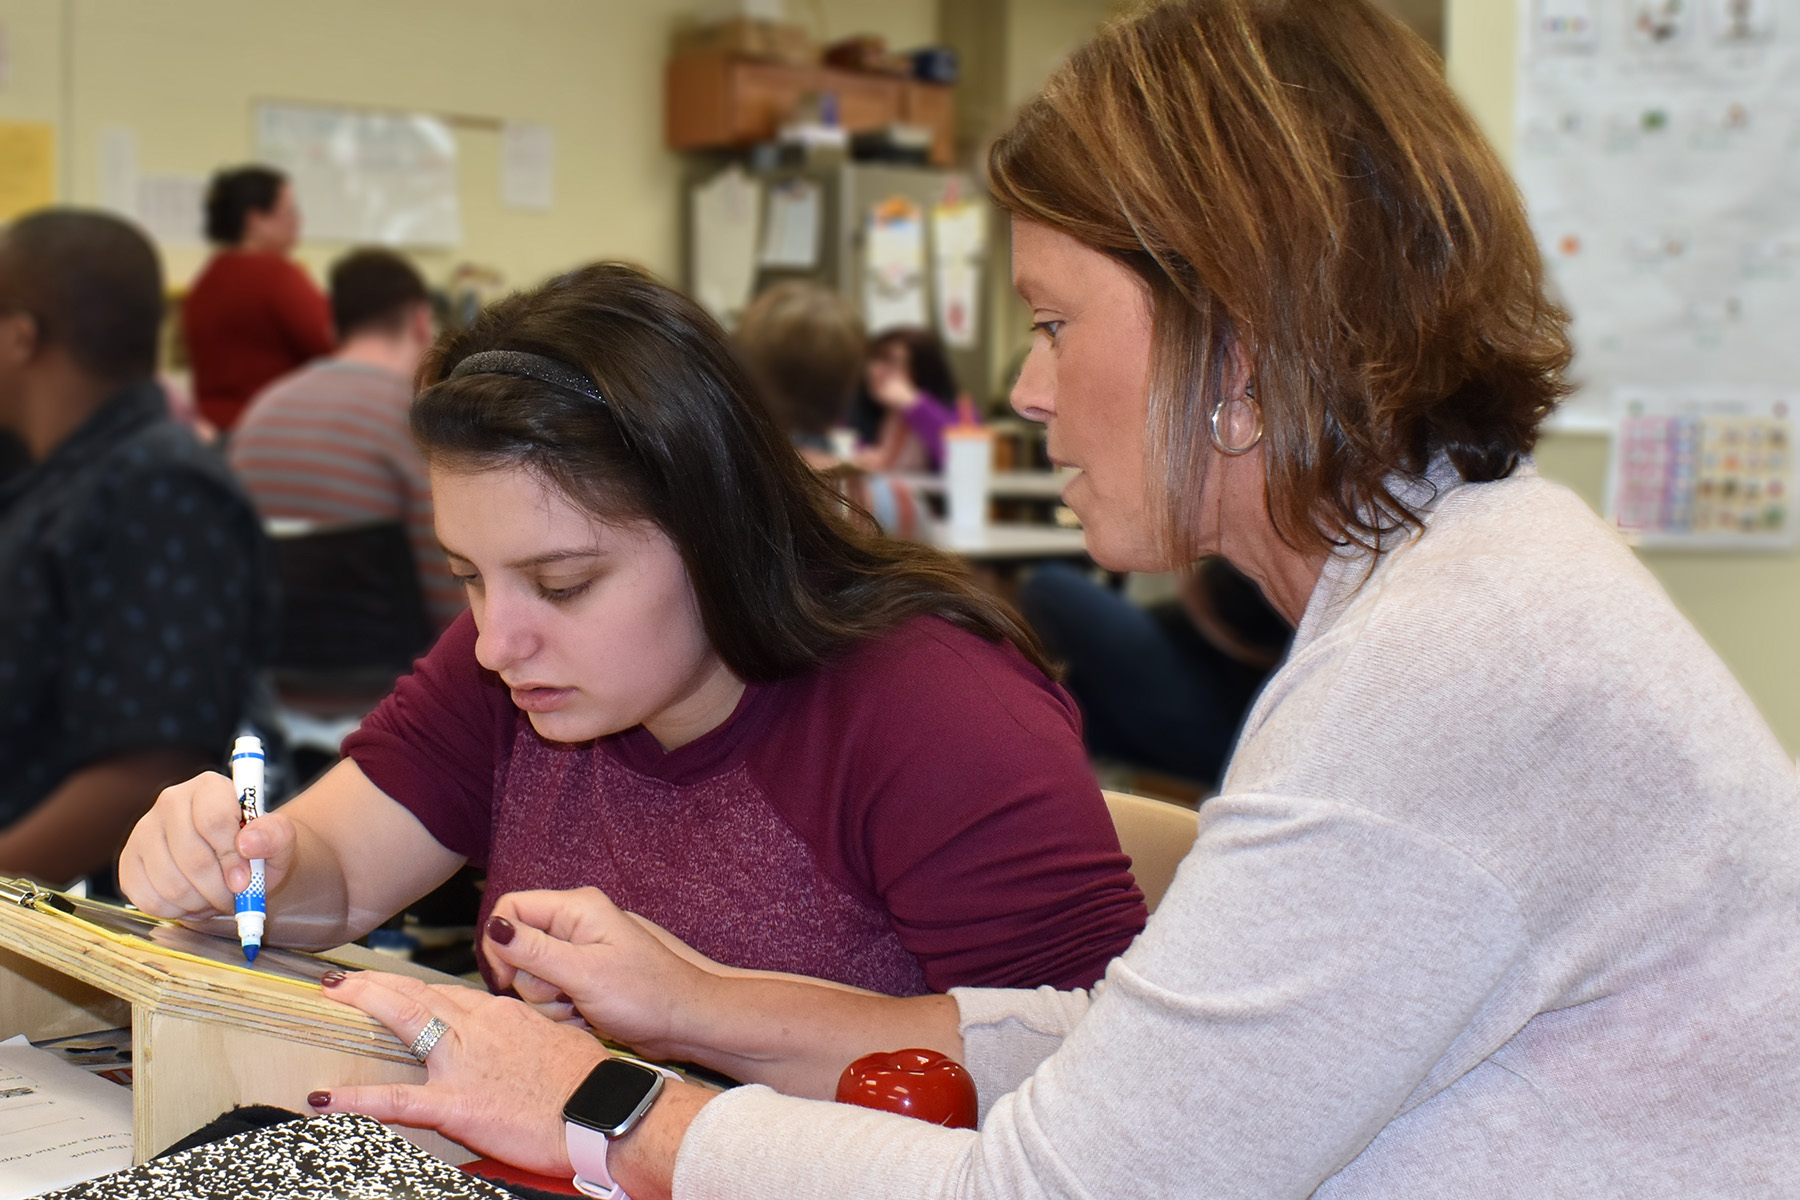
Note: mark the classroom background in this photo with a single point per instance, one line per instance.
(142, 100)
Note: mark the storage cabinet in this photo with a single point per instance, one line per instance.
(716, 102)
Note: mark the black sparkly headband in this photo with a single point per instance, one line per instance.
(529, 366)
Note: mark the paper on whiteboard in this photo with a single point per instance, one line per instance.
(387, 178)
(527, 166)
(791, 233)
(59, 1125)
(1658, 150)
(726, 211)
(894, 266)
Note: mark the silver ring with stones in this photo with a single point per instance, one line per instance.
(428, 1037)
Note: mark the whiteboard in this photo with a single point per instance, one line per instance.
(1658, 150)
(363, 176)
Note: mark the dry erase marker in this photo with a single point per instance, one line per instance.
(247, 778)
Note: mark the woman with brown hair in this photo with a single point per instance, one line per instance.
(687, 680)
(1501, 894)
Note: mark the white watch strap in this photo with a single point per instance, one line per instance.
(587, 1152)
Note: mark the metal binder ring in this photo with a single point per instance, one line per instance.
(428, 1037)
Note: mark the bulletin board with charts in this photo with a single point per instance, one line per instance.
(1658, 151)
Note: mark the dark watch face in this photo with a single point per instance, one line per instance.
(611, 1095)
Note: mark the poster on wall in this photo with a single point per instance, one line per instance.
(1658, 149)
(1705, 467)
(959, 240)
(894, 265)
(27, 167)
(726, 212)
(365, 176)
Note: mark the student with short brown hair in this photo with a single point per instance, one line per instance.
(804, 344)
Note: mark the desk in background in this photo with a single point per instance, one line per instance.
(1008, 543)
(1002, 485)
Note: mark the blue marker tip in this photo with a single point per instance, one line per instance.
(250, 953)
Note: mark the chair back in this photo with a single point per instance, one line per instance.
(1157, 835)
(352, 613)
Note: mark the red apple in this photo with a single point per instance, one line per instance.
(913, 1083)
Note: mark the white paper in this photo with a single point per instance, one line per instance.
(119, 169)
(894, 266)
(959, 239)
(791, 233)
(366, 176)
(59, 1125)
(527, 166)
(171, 208)
(726, 213)
(1659, 152)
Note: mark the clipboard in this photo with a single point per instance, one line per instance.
(130, 927)
(209, 1031)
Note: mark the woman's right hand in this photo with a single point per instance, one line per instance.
(188, 856)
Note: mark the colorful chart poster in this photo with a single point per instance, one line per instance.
(1658, 150)
(1705, 468)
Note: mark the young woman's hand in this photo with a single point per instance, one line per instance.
(576, 954)
(891, 386)
(188, 856)
(497, 1079)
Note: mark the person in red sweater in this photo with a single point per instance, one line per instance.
(252, 316)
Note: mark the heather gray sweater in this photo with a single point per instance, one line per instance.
(1501, 899)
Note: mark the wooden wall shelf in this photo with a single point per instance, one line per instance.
(714, 101)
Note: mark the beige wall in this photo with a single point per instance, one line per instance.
(183, 74)
(1745, 604)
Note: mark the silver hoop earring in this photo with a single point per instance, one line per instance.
(1218, 440)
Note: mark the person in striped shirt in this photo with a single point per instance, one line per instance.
(329, 443)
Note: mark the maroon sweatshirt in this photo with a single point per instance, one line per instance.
(917, 815)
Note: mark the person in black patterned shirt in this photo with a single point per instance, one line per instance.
(136, 604)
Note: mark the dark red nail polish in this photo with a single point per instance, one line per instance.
(318, 1099)
(500, 930)
(332, 979)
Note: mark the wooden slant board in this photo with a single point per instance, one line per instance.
(204, 1037)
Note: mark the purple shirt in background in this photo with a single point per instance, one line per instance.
(927, 420)
(917, 815)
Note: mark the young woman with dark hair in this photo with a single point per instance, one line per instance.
(688, 680)
(251, 315)
(909, 397)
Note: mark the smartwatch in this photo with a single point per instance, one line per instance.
(608, 1104)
